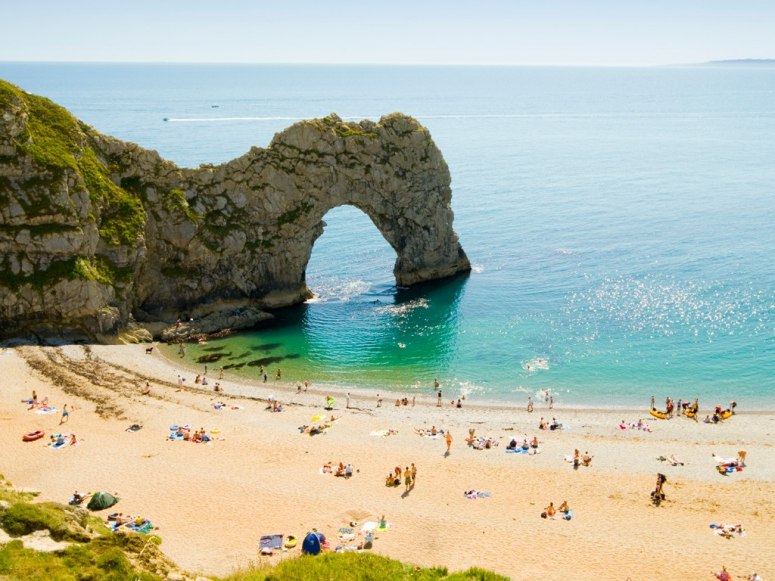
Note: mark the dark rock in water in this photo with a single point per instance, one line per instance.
(210, 358)
(215, 348)
(97, 231)
(266, 347)
(264, 361)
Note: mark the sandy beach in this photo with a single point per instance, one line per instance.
(212, 502)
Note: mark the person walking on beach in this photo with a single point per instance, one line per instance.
(414, 474)
(65, 415)
(407, 479)
(348, 401)
(379, 401)
(438, 400)
(279, 374)
(448, 437)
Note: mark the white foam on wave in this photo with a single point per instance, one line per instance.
(403, 309)
(536, 364)
(477, 268)
(340, 290)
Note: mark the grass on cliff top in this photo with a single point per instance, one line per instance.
(358, 567)
(89, 557)
(55, 141)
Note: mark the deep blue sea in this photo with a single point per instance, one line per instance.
(620, 222)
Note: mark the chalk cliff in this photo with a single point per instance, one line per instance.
(96, 232)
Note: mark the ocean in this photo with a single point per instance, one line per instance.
(620, 224)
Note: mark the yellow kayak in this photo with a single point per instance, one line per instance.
(658, 414)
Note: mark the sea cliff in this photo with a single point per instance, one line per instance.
(98, 235)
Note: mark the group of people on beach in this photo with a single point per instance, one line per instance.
(342, 470)
(393, 479)
(554, 425)
(562, 512)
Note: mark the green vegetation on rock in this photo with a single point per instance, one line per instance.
(54, 140)
(175, 199)
(291, 216)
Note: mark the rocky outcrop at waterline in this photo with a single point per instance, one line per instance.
(96, 233)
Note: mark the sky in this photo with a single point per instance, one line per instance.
(483, 32)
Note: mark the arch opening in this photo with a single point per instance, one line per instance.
(350, 259)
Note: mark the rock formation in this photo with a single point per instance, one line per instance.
(96, 232)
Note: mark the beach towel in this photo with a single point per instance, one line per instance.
(46, 410)
(384, 433)
(474, 494)
(517, 451)
(271, 542)
(61, 441)
(346, 534)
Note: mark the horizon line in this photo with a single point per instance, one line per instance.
(372, 64)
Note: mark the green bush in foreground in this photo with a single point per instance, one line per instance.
(357, 567)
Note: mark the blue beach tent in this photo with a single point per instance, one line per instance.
(311, 544)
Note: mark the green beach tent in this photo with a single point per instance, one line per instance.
(100, 500)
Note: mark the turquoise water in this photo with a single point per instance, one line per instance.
(619, 221)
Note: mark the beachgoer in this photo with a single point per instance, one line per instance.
(182, 350)
(220, 373)
(530, 405)
(279, 374)
(198, 379)
(414, 473)
(436, 383)
(413, 398)
(306, 384)
(34, 397)
(652, 402)
(379, 401)
(550, 511)
(459, 404)
(73, 440)
(407, 478)
(348, 470)
(564, 506)
(438, 402)
(576, 458)
(586, 459)
(448, 438)
(551, 401)
(65, 415)
(433, 431)
(265, 377)
(348, 400)
(723, 575)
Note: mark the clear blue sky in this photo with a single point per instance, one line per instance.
(539, 32)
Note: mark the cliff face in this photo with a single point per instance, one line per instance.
(94, 230)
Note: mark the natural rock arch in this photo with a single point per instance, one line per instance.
(94, 230)
(271, 202)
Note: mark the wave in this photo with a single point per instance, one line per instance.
(404, 308)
